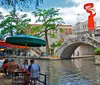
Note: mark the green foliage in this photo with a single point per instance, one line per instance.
(50, 21)
(61, 30)
(56, 44)
(1, 37)
(14, 24)
(97, 51)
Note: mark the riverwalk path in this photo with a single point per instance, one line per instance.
(5, 80)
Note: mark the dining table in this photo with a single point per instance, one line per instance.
(19, 76)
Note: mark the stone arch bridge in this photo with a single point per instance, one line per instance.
(66, 50)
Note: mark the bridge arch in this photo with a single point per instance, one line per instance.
(69, 49)
(66, 50)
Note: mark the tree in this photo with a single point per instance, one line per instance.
(1, 16)
(19, 3)
(14, 24)
(7, 25)
(50, 22)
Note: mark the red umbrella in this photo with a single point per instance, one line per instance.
(22, 47)
(3, 43)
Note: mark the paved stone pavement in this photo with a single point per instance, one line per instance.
(4, 80)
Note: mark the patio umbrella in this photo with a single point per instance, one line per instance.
(4, 44)
(26, 40)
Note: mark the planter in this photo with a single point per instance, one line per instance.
(97, 59)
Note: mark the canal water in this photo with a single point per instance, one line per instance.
(81, 71)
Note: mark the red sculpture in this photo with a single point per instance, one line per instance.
(89, 8)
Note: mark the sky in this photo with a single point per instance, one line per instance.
(71, 11)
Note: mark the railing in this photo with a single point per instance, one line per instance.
(42, 79)
(81, 38)
(45, 78)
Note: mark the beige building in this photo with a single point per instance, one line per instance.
(82, 27)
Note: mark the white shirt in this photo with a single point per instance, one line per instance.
(25, 66)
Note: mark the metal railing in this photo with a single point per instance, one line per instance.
(42, 79)
(45, 78)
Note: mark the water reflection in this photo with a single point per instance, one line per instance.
(70, 72)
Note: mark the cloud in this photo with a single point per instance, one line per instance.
(83, 1)
(73, 14)
(70, 14)
(4, 11)
(29, 16)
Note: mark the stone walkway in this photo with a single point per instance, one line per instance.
(4, 80)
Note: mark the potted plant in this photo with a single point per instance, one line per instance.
(97, 55)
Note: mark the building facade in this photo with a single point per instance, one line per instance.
(82, 27)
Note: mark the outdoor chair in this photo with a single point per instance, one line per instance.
(18, 78)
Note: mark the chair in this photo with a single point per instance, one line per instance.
(18, 78)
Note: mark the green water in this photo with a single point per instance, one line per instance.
(70, 72)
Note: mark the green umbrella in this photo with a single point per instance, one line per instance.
(26, 40)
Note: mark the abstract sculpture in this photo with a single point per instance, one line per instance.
(89, 8)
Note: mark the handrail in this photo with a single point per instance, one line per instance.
(44, 82)
(93, 39)
(79, 39)
(39, 79)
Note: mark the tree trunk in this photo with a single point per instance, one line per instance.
(47, 43)
(11, 31)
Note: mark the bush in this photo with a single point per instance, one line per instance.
(97, 51)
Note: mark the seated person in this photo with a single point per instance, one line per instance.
(5, 66)
(12, 66)
(25, 65)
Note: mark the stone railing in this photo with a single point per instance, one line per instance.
(83, 39)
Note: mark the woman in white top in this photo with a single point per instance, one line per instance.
(25, 65)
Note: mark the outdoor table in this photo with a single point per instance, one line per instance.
(19, 76)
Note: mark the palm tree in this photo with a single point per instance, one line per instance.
(14, 24)
(22, 23)
(50, 22)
